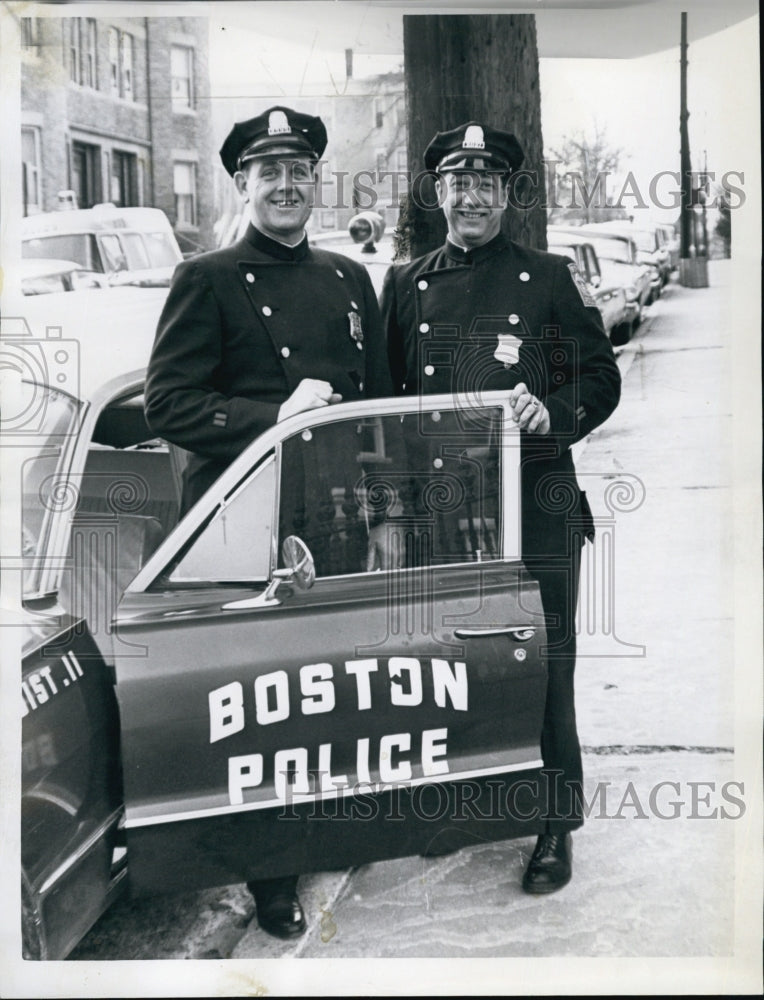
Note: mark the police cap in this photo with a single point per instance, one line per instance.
(473, 146)
(277, 130)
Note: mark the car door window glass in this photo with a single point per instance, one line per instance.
(429, 481)
(236, 545)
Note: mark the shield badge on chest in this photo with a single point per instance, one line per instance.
(508, 349)
(356, 330)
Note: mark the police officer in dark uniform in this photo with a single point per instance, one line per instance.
(261, 330)
(484, 313)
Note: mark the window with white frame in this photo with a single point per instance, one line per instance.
(182, 77)
(30, 33)
(126, 59)
(75, 53)
(184, 185)
(31, 180)
(83, 47)
(89, 54)
(114, 61)
(121, 70)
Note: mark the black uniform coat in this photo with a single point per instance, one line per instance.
(240, 329)
(494, 316)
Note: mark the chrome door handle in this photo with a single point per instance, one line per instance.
(520, 633)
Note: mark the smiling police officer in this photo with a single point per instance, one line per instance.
(261, 330)
(484, 313)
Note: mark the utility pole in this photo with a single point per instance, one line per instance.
(693, 269)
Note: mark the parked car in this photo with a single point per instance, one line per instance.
(618, 313)
(670, 241)
(651, 246)
(41, 277)
(132, 246)
(196, 709)
(618, 261)
(629, 247)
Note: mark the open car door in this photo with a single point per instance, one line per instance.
(341, 629)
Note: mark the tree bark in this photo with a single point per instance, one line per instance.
(484, 68)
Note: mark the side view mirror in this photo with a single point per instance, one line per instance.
(299, 562)
(300, 569)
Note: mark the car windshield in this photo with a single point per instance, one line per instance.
(135, 251)
(612, 249)
(161, 251)
(52, 416)
(80, 247)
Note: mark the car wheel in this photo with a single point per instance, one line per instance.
(33, 944)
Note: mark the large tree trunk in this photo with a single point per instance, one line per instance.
(481, 67)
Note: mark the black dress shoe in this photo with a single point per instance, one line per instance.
(278, 907)
(551, 863)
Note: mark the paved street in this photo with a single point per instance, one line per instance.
(655, 865)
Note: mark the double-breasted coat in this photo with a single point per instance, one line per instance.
(240, 329)
(489, 318)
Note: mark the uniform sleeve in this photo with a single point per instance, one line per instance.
(183, 404)
(396, 350)
(588, 378)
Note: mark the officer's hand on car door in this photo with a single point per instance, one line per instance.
(309, 394)
(528, 412)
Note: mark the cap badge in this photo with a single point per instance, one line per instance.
(473, 138)
(277, 123)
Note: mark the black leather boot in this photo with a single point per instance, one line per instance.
(551, 863)
(279, 911)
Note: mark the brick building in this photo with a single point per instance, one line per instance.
(365, 163)
(117, 110)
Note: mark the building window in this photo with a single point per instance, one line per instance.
(126, 59)
(124, 178)
(114, 61)
(86, 174)
(90, 47)
(121, 64)
(184, 185)
(30, 32)
(328, 219)
(30, 159)
(82, 51)
(74, 49)
(182, 77)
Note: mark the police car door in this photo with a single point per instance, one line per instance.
(341, 629)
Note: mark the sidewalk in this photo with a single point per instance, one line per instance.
(655, 705)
